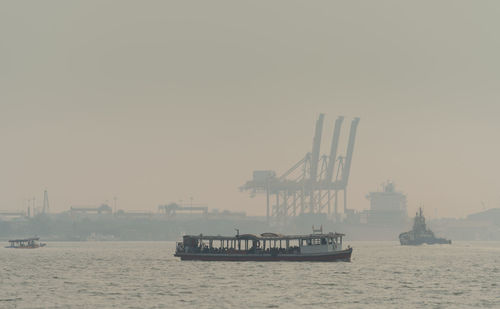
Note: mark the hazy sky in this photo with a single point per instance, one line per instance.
(160, 101)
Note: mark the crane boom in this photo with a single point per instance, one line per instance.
(350, 149)
(316, 147)
(293, 168)
(333, 150)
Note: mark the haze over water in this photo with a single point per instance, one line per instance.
(155, 102)
(146, 275)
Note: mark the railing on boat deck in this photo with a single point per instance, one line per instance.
(267, 243)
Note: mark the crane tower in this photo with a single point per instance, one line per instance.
(45, 208)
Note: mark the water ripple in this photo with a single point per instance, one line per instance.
(146, 275)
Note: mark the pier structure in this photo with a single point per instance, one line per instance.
(172, 209)
(103, 209)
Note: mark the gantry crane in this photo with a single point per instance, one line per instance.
(310, 184)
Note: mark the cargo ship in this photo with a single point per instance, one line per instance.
(266, 247)
(420, 234)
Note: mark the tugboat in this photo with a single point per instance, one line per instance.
(266, 247)
(420, 234)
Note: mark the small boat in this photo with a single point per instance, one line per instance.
(420, 234)
(28, 243)
(265, 247)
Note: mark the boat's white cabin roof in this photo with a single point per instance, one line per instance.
(266, 236)
(25, 240)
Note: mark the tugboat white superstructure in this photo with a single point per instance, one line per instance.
(264, 247)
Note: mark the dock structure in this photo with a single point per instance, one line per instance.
(103, 209)
(12, 214)
(173, 208)
(312, 185)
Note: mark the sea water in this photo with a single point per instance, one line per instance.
(147, 275)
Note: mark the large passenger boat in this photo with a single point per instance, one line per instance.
(264, 247)
(27, 243)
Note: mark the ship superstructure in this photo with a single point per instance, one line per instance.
(387, 207)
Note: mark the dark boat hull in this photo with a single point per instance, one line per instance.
(343, 256)
(408, 239)
(26, 247)
(418, 242)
